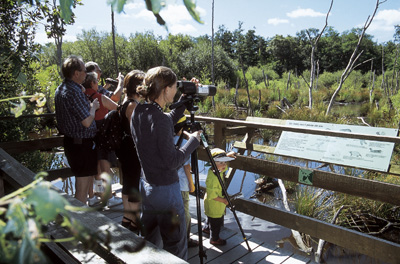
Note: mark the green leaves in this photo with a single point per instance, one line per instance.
(66, 10)
(191, 7)
(46, 202)
(117, 5)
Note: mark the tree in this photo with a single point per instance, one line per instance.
(314, 45)
(354, 57)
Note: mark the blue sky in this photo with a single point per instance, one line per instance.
(266, 17)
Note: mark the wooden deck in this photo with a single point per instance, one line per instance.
(235, 251)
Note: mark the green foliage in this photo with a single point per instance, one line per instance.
(24, 215)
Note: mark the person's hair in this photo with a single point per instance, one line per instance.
(90, 77)
(91, 66)
(132, 80)
(155, 81)
(70, 65)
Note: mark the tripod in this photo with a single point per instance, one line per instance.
(191, 127)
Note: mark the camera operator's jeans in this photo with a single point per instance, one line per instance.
(164, 214)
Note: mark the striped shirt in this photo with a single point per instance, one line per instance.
(72, 107)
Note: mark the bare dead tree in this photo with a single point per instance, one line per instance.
(288, 81)
(354, 57)
(394, 69)
(113, 38)
(249, 109)
(314, 44)
(266, 81)
(212, 50)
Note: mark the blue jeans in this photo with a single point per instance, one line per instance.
(164, 215)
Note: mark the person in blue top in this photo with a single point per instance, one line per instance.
(214, 200)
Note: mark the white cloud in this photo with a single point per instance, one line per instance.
(385, 20)
(277, 21)
(182, 29)
(133, 6)
(301, 12)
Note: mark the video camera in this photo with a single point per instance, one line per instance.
(190, 88)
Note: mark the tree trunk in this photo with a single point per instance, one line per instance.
(113, 38)
(371, 91)
(266, 81)
(314, 45)
(212, 51)
(288, 81)
(249, 108)
(236, 93)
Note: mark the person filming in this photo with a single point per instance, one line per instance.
(163, 214)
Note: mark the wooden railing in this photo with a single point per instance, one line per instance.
(377, 248)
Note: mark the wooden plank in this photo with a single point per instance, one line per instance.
(31, 145)
(258, 254)
(240, 130)
(236, 252)
(57, 254)
(278, 256)
(14, 172)
(210, 250)
(375, 190)
(297, 259)
(121, 239)
(279, 127)
(377, 248)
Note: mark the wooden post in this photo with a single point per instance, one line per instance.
(247, 140)
(1, 185)
(219, 135)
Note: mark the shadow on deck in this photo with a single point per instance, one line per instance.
(235, 251)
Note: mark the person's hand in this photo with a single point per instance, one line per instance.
(192, 188)
(120, 78)
(231, 154)
(196, 81)
(196, 134)
(95, 104)
(225, 201)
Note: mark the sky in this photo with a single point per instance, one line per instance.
(267, 17)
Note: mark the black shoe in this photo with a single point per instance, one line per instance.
(192, 243)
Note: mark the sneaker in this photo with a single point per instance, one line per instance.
(94, 201)
(219, 242)
(206, 230)
(113, 201)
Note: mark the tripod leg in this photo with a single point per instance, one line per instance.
(195, 169)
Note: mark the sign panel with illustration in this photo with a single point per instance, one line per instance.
(368, 154)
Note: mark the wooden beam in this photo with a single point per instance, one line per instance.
(377, 248)
(14, 172)
(280, 127)
(32, 145)
(241, 130)
(375, 190)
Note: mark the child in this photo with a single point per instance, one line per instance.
(185, 180)
(214, 200)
